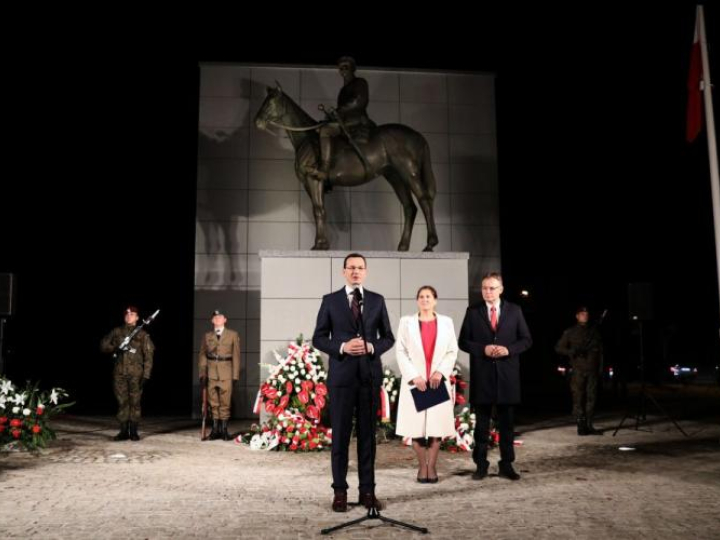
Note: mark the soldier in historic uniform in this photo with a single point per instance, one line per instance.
(351, 111)
(133, 366)
(219, 366)
(582, 343)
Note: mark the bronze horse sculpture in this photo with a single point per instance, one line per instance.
(395, 151)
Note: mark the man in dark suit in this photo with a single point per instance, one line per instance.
(494, 333)
(355, 374)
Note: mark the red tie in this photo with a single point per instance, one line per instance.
(493, 318)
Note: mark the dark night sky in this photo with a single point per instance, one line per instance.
(597, 185)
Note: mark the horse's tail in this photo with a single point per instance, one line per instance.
(426, 173)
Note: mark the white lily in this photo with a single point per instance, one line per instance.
(19, 399)
(16, 410)
(54, 396)
(5, 386)
(26, 412)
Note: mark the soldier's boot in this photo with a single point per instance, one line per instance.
(582, 426)
(590, 429)
(123, 433)
(133, 427)
(215, 433)
(225, 435)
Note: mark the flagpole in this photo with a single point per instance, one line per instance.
(712, 141)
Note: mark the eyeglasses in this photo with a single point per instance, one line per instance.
(353, 268)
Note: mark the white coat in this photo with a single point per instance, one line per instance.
(437, 421)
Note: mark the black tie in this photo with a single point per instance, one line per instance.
(355, 306)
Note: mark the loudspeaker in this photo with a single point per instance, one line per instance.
(640, 301)
(7, 294)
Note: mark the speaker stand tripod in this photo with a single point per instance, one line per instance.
(640, 413)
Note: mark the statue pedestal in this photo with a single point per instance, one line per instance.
(294, 282)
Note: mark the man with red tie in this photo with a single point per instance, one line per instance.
(494, 333)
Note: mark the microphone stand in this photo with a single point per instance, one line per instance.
(373, 513)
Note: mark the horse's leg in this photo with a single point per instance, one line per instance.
(314, 188)
(409, 208)
(426, 204)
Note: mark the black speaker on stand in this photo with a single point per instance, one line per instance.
(640, 309)
(7, 306)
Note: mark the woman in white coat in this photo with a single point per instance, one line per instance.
(426, 353)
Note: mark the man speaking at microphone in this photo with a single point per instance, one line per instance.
(353, 328)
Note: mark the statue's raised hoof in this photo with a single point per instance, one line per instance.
(428, 248)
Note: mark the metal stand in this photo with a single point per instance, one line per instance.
(373, 513)
(640, 415)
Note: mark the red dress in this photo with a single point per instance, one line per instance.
(428, 333)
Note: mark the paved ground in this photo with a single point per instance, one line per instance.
(170, 485)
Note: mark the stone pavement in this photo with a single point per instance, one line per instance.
(170, 485)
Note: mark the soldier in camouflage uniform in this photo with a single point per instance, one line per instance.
(219, 366)
(132, 369)
(582, 343)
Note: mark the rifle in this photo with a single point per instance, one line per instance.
(203, 429)
(125, 345)
(585, 349)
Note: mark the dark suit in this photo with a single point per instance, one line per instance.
(353, 381)
(494, 381)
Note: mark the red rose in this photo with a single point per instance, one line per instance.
(288, 387)
(293, 447)
(284, 401)
(462, 384)
(307, 385)
(36, 429)
(39, 410)
(452, 379)
(264, 388)
(460, 399)
(303, 397)
(271, 393)
(319, 401)
(321, 389)
(313, 445)
(270, 407)
(15, 423)
(295, 439)
(290, 429)
(304, 444)
(3, 420)
(312, 411)
(16, 433)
